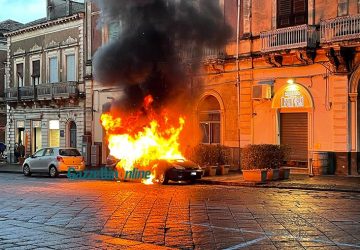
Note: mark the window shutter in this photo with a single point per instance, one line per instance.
(230, 12)
(291, 12)
(284, 13)
(246, 6)
(36, 68)
(70, 68)
(300, 12)
(343, 6)
(53, 70)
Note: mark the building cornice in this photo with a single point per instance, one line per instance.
(46, 24)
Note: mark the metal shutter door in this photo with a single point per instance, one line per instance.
(294, 133)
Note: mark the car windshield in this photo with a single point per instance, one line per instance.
(69, 152)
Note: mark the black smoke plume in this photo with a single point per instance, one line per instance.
(146, 58)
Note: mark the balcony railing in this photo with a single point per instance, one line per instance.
(188, 54)
(289, 38)
(27, 92)
(65, 89)
(340, 28)
(44, 91)
(11, 94)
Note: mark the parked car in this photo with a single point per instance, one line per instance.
(177, 170)
(53, 161)
(168, 170)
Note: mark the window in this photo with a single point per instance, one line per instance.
(114, 30)
(210, 120)
(210, 127)
(343, 7)
(39, 153)
(49, 152)
(70, 68)
(53, 70)
(20, 74)
(35, 75)
(69, 152)
(291, 13)
(54, 133)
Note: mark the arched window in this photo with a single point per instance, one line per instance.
(210, 122)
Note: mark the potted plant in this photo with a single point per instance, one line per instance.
(274, 159)
(223, 153)
(206, 157)
(284, 172)
(252, 163)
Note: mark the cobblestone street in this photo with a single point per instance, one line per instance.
(40, 212)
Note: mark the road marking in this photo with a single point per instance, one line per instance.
(246, 244)
(298, 238)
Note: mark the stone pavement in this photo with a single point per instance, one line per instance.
(296, 181)
(40, 212)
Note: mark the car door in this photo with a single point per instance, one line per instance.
(35, 161)
(47, 159)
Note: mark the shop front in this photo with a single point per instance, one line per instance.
(293, 106)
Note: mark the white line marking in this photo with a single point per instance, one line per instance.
(272, 234)
(246, 244)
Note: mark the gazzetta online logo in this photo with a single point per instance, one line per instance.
(106, 174)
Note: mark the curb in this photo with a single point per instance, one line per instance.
(260, 185)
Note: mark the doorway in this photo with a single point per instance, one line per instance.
(73, 134)
(294, 133)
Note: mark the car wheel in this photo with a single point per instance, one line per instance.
(192, 181)
(163, 179)
(53, 172)
(26, 170)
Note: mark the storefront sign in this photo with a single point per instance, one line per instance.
(292, 99)
(292, 96)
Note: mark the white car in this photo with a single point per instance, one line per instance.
(53, 161)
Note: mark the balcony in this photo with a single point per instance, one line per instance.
(11, 94)
(44, 91)
(27, 93)
(295, 37)
(340, 29)
(65, 89)
(189, 53)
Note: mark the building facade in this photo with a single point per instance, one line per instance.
(45, 92)
(290, 77)
(5, 26)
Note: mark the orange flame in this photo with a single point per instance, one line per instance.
(140, 138)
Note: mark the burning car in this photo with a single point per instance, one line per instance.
(167, 170)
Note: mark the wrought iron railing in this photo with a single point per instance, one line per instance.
(11, 94)
(65, 89)
(44, 91)
(288, 38)
(26, 92)
(190, 53)
(340, 28)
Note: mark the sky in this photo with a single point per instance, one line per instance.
(23, 11)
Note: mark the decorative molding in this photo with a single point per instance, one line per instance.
(353, 97)
(35, 48)
(337, 59)
(19, 51)
(305, 56)
(69, 41)
(52, 44)
(274, 60)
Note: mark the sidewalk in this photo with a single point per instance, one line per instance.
(10, 168)
(296, 181)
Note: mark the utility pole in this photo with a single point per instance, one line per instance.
(238, 77)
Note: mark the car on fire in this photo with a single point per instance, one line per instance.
(53, 160)
(168, 169)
